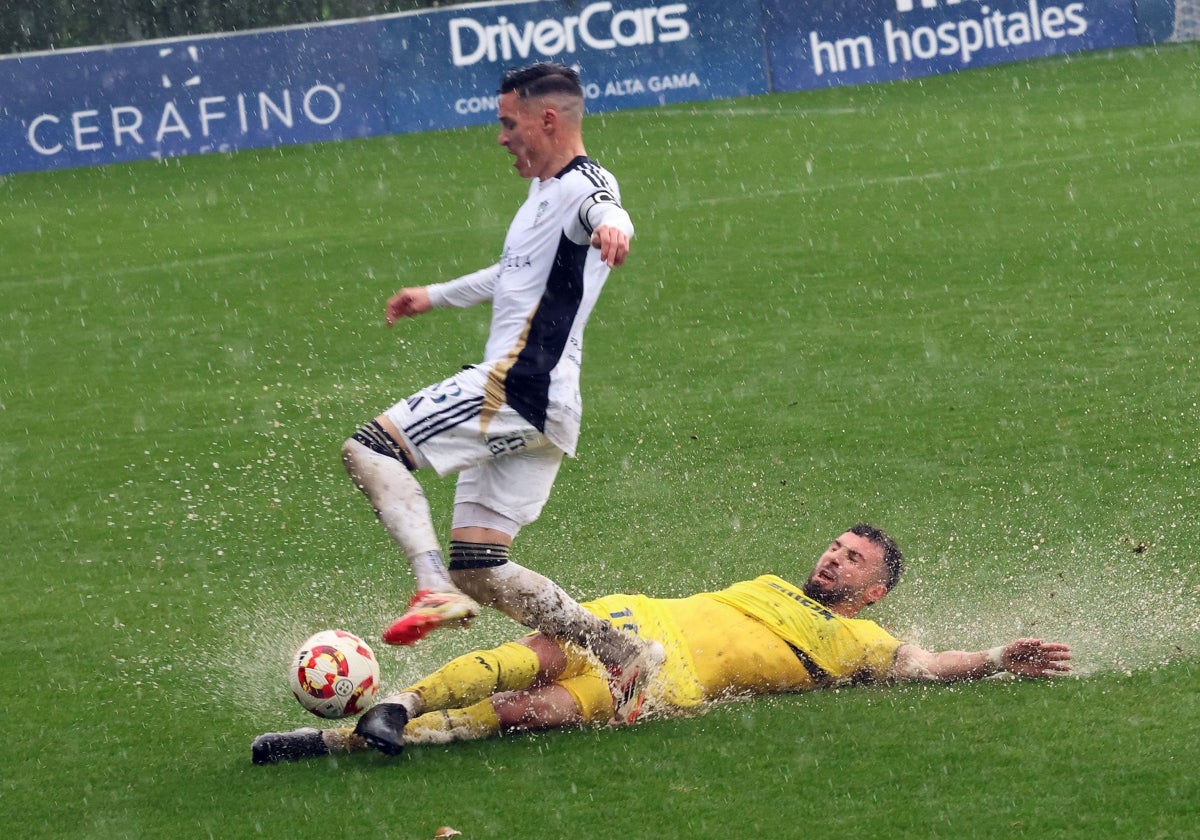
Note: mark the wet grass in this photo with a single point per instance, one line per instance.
(961, 308)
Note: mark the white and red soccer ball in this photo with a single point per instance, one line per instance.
(334, 674)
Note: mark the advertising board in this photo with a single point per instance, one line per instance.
(823, 43)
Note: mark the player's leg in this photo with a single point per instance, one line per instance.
(538, 602)
(501, 711)
(501, 690)
(480, 674)
(462, 684)
(274, 747)
(437, 427)
(533, 709)
(577, 698)
(380, 463)
(492, 502)
(538, 709)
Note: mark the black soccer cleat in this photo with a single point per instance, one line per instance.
(382, 726)
(273, 747)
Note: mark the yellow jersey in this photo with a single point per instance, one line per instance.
(832, 649)
(759, 636)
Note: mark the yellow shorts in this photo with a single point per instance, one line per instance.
(674, 688)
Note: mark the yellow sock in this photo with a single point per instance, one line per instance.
(469, 724)
(476, 676)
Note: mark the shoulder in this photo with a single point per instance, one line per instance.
(586, 175)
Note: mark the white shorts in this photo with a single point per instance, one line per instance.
(504, 463)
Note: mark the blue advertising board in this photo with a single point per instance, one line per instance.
(829, 42)
(442, 68)
(439, 68)
(191, 96)
(1167, 20)
(401, 73)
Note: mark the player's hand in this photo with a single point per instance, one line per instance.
(1035, 658)
(406, 303)
(613, 244)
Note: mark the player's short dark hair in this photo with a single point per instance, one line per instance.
(893, 559)
(540, 79)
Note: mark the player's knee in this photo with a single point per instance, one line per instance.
(551, 658)
(376, 439)
(350, 450)
(530, 711)
(473, 568)
(476, 557)
(513, 710)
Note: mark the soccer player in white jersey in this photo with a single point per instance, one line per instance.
(505, 424)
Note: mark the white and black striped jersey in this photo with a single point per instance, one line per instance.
(542, 292)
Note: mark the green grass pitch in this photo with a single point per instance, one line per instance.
(962, 308)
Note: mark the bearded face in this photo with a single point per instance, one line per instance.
(847, 576)
(828, 593)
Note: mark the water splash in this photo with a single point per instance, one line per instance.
(1121, 608)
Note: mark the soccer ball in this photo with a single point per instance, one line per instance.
(334, 674)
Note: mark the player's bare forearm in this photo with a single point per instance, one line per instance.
(1032, 658)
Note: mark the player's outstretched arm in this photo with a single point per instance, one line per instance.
(610, 226)
(1032, 658)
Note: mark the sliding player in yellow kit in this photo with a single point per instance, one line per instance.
(761, 636)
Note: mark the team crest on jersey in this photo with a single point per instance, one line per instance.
(541, 211)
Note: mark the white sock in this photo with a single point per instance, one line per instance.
(430, 570)
(410, 700)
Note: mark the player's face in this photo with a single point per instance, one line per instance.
(521, 132)
(849, 574)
